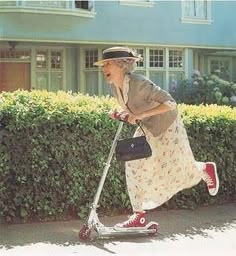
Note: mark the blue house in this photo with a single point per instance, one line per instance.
(53, 44)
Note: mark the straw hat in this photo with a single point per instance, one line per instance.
(117, 53)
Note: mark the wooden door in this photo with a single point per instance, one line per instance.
(14, 76)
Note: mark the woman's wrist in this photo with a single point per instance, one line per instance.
(143, 115)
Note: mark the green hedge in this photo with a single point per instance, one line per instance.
(53, 147)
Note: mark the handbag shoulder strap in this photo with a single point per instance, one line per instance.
(140, 126)
(137, 122)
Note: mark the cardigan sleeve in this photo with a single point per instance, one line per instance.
(171, 104)
(153, 93)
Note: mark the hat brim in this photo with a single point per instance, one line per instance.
(101, 62)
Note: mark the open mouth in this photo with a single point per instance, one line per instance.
(108, 75)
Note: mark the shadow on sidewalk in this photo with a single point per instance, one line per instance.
(173, 226)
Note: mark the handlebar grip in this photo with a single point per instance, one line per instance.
(123, 119)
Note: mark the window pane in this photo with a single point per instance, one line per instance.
(174, 78)
(56, 82)
(91, 56)
(7, 3)
(56, 60)
(140, 52)
(82, 4)
(48, 4)
(175, 58)
(91, 83)
(42, 59)
(221, 69)
(200, 9)
(156, 58)
(42, 80)
(106, 89)
(189, 8)
(157, 78)
(22, 55)
(195, 9)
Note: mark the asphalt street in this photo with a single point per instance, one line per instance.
(203, 231)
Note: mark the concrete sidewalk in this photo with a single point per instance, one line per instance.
(204, 231)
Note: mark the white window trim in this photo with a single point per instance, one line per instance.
(69, 11)
(148, 3)
(165, 70)
(183, 60)
(164, 62)
(206, 21)
(48, 70)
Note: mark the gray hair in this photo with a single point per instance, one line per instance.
(128, 65)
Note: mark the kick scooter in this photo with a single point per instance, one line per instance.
(93, 222)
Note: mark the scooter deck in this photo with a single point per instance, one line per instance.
(150, 229)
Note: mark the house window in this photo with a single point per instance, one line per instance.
(91, 72)
(175, 58)
(49, 70)
(163, 66)
(49, 4)
(174, 79)
(64, 7)
(222, 67)
(15, 55)
(156, 58)
(7, 3)
(82, 4)
(91, 56)
(196, 11)
(141, 53)
(56, 60)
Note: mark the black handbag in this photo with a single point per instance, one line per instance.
(133, 148)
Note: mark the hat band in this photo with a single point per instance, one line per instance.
(117, 54)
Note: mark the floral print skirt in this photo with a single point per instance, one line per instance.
(171, 168)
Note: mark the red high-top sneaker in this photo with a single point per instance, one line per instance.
(211, 178)
(137, 219)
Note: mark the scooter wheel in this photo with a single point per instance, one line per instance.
(84, 232)
(155, 227)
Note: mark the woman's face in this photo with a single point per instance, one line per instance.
(112, 72)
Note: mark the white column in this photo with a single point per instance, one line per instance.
(166, 85)
(100, 88)
(146, 64)
(81, 79)
(188, 63)
(33, 69)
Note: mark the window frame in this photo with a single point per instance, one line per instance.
(196, 20)
(21, 6)
(49, 70)
(144, 3)
(164, 59)
(161, 72)
(221, 59)
(173, 69)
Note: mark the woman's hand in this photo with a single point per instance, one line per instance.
(113, 114)
(124, 116)
(130, 118)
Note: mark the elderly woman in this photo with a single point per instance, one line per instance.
(172, 167)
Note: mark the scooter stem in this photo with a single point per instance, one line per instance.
(106, 168)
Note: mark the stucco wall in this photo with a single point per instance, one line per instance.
(114, 22)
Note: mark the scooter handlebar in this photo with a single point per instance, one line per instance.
(121, 117)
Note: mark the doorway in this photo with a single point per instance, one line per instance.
(14, 76)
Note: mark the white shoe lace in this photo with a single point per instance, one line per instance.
(208, 179)
(131, 219)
